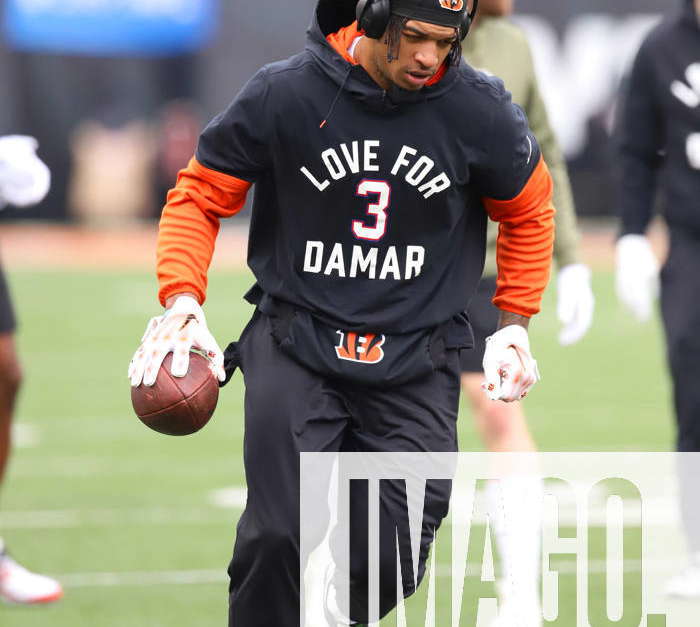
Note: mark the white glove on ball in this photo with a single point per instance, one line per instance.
(509, 368)
(179, 329)
(636, 275)
(24, 178)
(575, 302)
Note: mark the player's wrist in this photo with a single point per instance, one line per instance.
(508, 318)
(171, 300)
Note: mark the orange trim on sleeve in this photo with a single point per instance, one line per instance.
(525, 243)
(189, 225)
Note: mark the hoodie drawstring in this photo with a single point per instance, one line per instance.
(335, 100)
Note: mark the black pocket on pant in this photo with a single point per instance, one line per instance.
(232, 360)
(232, 354)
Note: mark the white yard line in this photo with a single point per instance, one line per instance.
(223, 503)
(25, 435)
(218, 576)
(69, 467)
(142, 578)
(74, 518)
(233, 497)
(219, 510)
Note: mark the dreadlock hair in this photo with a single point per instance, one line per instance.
(392, 38)
(455, 54)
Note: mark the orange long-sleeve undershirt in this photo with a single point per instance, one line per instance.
(190, 223)
(525, 243)
(189, 226)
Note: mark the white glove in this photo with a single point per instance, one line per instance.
(509, 368)
(575, 302)
(179, 329)
(24, 178)
(636, 275)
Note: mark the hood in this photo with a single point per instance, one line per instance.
(330, 17)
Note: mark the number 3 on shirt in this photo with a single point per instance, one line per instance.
(382, 190)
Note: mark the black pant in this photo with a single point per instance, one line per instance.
(680, 308)
(289, 410)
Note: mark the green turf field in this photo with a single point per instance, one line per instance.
(124, 516)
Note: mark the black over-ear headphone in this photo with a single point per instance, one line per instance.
(373, 17)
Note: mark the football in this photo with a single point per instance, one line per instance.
(178, 405)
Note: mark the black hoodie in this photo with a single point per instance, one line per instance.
(373, 220)
(659, 127)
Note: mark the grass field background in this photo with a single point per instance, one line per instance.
(125, 516)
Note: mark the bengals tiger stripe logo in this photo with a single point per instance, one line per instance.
(363, 349)
(452, 5)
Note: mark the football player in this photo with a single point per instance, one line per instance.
(659, 148)
(378, 156)
(499, 47)
(24, 181)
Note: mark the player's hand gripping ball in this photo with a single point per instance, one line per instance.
(509, 368)
(174, 372)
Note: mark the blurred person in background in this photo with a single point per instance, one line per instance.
(24, 181)
(99, 79)
(499, 47)
(658, 135)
